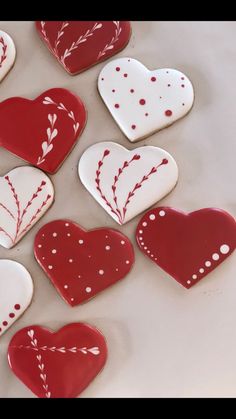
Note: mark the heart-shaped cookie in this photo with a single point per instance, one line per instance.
(143, 101)
(187, 246)
(57, 364)
(16, 291)
(44, 129)
(126, 182)
(7, 54)
(26, 194)
(80, 44)
(82, 263)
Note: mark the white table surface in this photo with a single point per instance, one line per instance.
(163, 340)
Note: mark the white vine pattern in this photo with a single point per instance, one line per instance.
(94, 350)
(41, 365)
(114, 39)
(80, 40)
(43, 31)
(60, 33)
(52, 132)
(48, 101)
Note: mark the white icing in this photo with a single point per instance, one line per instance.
(10, 54)
(16, 288)
(19, 185)
(158, 184)
(122, 96)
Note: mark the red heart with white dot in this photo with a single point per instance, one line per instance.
(187, 246)
(57, 364)
(82, 263)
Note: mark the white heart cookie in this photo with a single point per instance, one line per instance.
(143, 101)
(126, 182)
(26, 194)
(16, 291)
(7, 54)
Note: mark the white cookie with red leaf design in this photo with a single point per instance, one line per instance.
(126, 182)
(143, 101)
(26, 194)
(16, 291)
(7, 54)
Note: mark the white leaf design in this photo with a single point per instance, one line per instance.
(71, 115)
(84, 351)
(47, 100)
(63, 350)
(94, 351)
(76, 126)
(30, 333)
(49, 132)
(50, 118)
(54, 134)
(54, 118)
(39, 358)
(49, 148)
(44, 147)
(98, 26)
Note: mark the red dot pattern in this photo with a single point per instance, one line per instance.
(125, 75)
(11, 315)
(153, 78)
(133, 126)
(131, 90)
(117, 68)
(142, 101)
(117, 105)
(168, 112)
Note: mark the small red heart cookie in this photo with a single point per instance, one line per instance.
(187, 246)
(79, 44)
(82, 263)
(45, 129)
(57, 364)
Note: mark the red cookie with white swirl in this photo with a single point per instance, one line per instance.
(78, 45)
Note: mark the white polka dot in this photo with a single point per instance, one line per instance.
(152, 217)
(107, 247)
(127, 262)
(43, 257)
(162, 213)
(39, 245)
(140, 238)
(70, 260)
(155, 258)
(68, 234)
(215, 256)
(152, 256)
(89, 256)
(117, 269)
(144, 224)
(148, 251)
(101, 271)
(194, 276)
(50, 267)
(208, 263)
(54, 235)
(140, 231)
(79, 276)
(43, 235)
(72, 299)
(224, 249)
(122, 242)
(67, 224)
(201, 270)
(88, 289)
(145, 247)
(188, 282)
(81, 241)
(142, 243)
(54, 251)
(66, 286)
(106, 237)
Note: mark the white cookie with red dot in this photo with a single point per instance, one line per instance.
(16, 291)
(143, 101)
(7, 54)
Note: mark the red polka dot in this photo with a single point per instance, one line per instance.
(182, 85)
(11, 315)
(146, 114)
(117, 105)
(5, 323)
(168, 112)
(142, 101)
(117, 68)
(125, 75)
(153, 78)
(17, 307)
(131, 90)
(113, 90)
(133, 126)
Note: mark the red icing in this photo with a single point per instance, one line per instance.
(117, 105)
(182, 85)
(125, 75)
(5, 323)
(133, 126)
(153, 78)
(17, 306)
(131, 90)
(31, 121)
(63, 372)
(11, 315)
(142, 102)
(168, 112)
(78, 45)
(117, 68)
(184, 244)
(94, 259)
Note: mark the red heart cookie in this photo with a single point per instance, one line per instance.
(187, 246)
(45, 129)
(57, 364)
(79, 44)
(82, 263)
